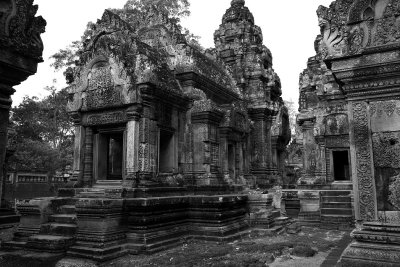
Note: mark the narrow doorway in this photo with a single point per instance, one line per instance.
(166, 152)
(115, 156)
(341, 165)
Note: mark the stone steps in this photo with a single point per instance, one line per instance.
(98, 254)
(50, 242)
(336, 193)
(68, 209)
(63, 218)
(336, 211)
(108, 184)
(60, 229)
(282, 221)
(13, 245)
(340, 205)
(330, 199)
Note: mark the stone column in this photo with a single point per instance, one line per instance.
(132, 145)
(362, 167)
(224, 152)
(88, 158)
(4, 114)
(310, 150)
(321, 171)
(268, 142)
(261, 146)
(79, 146)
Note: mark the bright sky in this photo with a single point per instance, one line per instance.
(289, 28)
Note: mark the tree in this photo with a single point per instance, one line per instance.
(66, 59)
(174, 8)
(44, 136)
(292, 115)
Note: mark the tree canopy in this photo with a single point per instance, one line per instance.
(43, 133)
(66, 59)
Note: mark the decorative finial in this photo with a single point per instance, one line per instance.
(237, 2)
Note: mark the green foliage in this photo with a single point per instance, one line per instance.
(44, 137)
(292, 115)
(66, 59)
(174, 8)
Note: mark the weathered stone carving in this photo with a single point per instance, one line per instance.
(364, 161)
(20, 30)
(106, 118)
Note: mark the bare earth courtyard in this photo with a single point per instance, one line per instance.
(310, 247)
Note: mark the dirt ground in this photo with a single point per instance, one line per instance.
(310, 247)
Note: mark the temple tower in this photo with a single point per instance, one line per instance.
(239, 44)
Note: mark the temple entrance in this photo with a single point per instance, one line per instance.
(109, 155)
(115, 156)
(341, 165)
(166, 152)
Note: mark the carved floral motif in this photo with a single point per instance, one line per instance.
(366, 186)
(386, 149)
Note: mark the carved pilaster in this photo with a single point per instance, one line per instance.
(88, 158)
(79, 147)
(132, 149)
(310, 150)
(132, 142)
(363, 168)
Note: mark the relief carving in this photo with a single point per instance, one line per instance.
(101, 90)
(364, 171)
(106, 118)
(386, 149)
(19, 28)
(337, 124)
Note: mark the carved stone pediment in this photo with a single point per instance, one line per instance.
(348, 27)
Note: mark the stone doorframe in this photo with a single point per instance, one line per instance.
(98, 151)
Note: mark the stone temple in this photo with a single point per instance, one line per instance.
(166, 135)
(349, 121)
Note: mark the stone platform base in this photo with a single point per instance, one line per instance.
(101, 224)
(158, 223)
(374, 245)
(371, 255)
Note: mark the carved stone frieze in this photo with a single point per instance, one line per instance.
(386, 147)
(106, 118)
